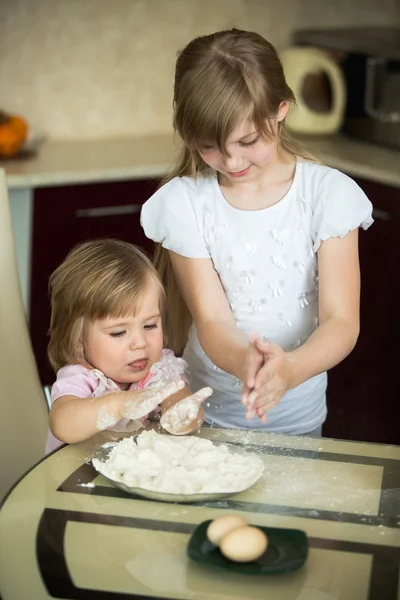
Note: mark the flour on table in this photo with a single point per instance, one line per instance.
(180, 465)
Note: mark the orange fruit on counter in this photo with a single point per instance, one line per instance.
(13, 132)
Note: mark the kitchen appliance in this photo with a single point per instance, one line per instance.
(369, 59)
(319, 87)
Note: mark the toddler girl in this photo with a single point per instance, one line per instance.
(106, 345)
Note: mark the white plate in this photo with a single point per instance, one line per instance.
(102, 452)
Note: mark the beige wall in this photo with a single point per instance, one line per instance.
(98, 68)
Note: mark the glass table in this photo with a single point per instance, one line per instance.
(65, 532)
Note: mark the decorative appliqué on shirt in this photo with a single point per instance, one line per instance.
(279, 261)
(257, 304)
(280, 236)
(247, 277)
(276, 288)
(284, 322)
(306, 297)
(250, 248)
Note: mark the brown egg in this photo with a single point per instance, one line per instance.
(218, 528)
(244, 544)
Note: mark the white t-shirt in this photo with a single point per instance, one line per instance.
(267, 263)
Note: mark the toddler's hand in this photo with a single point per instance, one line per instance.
(271, 382)
(179, 419)
(137, 404)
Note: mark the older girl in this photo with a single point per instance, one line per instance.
(259, 239)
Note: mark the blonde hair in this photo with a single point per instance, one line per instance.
(220, 80)
(98, 279)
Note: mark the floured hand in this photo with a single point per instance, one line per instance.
(139, 403)
(271, 382)
(179, 419)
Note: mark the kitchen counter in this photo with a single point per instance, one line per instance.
(85, 161)
(66, 532)
(70, 162)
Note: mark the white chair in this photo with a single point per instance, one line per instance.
(23, 413)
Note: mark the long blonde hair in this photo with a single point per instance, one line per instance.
(220, 80)
(98, 279)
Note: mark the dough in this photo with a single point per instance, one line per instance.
(180, 465)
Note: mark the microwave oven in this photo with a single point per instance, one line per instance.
(369, 59)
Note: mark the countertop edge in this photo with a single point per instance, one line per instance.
(72, 162)
(78, 177)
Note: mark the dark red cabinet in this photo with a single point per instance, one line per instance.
(67, 215)
(364, 390)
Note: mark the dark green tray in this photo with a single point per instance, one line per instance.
(287, 551)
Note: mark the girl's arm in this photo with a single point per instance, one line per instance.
(74, 419)
(339, 309)
(331, 342)
(223, 342)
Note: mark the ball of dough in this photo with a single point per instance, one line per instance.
(244, 544)
(218, 528)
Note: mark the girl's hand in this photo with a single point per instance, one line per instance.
(254, 361)
(182, 417)
(136, 404)
(271, 382)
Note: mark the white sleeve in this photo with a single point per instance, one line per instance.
(339, 207)
(168, 218)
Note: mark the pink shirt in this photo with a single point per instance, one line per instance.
(76, 380)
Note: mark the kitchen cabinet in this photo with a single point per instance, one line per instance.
(64, 216)
(364, 390)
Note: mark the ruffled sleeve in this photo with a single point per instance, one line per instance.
(73, 380)
(340, 206)
(168, 218)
